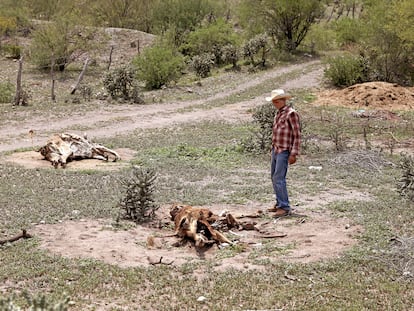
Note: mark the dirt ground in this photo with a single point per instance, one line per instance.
(374, 96)
(312, 234)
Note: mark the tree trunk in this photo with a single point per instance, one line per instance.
(18, 96)
(85, 65)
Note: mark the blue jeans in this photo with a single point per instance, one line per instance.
(278, 170)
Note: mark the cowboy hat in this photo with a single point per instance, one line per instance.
(276, 94)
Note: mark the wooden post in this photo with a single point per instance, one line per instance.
(18, 96)
(85, 65)
(110, 56)
(52, 75)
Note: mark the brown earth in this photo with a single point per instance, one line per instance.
(313, 235)
(370, 95)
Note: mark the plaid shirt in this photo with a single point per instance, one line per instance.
(286, 131)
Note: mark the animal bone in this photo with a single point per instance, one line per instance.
(195, 223)
(65, 147)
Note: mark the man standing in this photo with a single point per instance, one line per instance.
(286, 141)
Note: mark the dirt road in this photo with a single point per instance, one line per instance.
(121, 119)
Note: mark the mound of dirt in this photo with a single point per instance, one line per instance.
(375, 95)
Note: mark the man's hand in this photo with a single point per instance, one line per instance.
(292, 159)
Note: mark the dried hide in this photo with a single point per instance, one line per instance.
(196, 224)
(65, 147)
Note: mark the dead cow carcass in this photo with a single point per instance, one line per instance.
(65, 147)
(195, 224)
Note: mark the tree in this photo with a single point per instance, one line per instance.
(13, 17)
(61, 42)
(179, 17)
(388, 40)
(286, 21)
(210, 39)
(133, 14)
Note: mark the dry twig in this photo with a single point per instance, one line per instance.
(23, 235)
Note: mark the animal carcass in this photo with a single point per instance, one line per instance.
(195, 223)
(65, 147)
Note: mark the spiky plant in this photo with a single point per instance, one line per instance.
(138, 203)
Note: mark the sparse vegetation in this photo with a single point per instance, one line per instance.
(208, 163)
(406, 182)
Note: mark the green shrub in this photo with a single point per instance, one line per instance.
(6, 92)
(8, 25)
(230, 55)
(348, 31)
(158, 65)
(12, 51)
(320, 37)
(210, 39)
(343, 71)
(256, 48)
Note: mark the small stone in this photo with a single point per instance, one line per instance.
(201, 299)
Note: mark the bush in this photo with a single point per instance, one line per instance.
(12, 51)
(348, 31)
(6, 92)
(202, 64)
(158, 66)
(120, 84)
(210, 39)
(320, 38)
(230, 55)
(345, 71)
(256, 46)
(263, 117)
(8, 25)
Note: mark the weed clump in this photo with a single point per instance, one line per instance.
(263, 117)
(40, 303)
(406, 182)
